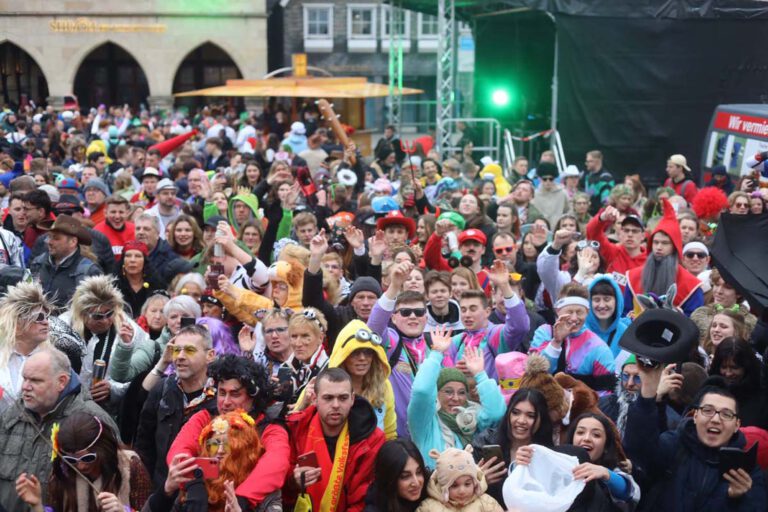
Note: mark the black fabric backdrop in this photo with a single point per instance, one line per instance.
(643, 89)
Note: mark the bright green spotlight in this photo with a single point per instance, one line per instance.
(500, 97)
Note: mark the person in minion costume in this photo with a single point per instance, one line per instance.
(503, 188)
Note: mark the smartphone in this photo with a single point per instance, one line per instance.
(209, 467)
(214, 271)
(735, 458)
(308, 460)
(493, 450)
(187, 321)
(285, 374)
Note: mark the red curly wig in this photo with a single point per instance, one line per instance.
(244, 451)
(709, 202)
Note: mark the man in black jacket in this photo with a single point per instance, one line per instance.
(173, 400)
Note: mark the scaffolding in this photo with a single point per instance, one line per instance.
(446, 71)
(396, 27)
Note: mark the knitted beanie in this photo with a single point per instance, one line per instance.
(537, 377)
(451, 375)
(452, 464)
(364, 284)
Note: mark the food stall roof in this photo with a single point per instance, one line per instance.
(307, 87)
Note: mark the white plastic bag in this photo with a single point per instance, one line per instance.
(545, 485)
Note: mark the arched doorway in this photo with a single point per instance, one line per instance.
(21, 79)
(205, 66)
(110, 75)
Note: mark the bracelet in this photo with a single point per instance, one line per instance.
(157, 372)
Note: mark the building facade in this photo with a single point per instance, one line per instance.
(115, 52)
(353, 39)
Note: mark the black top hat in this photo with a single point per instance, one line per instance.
(661, 335)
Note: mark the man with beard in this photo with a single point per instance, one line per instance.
(472, 244)
(662, 269)
(615, 406)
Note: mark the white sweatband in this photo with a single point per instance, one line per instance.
(692, 246)
(572, 301)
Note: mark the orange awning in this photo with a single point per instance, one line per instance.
(309, 87)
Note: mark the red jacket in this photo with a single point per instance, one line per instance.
(117, 238)
(615, 255)
(365, 440)
(271, 469)
(433, 258)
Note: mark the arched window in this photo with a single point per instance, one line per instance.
(110, 75)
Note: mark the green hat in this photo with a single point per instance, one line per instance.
(450, 375)
(630, 360)
(454, 217)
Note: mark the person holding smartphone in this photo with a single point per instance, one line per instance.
(684, 463)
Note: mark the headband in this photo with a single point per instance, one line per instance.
(696, 245)
(572, 301)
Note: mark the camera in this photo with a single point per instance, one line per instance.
(338, 242)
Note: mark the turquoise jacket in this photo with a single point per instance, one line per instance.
(423, 422)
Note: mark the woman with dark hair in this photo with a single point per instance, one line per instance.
(608, 464)
(135, 278)
(736, 361)
(399, 480)
(525, 422)
(251, 176)
(185, 236)
(108, 477)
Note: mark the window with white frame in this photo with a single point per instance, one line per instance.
(427, 26)
(401, 19)
(318, 21)
(361, 21)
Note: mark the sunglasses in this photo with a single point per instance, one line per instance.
(189, 350)
(635, 379)
(101, 316)
(696, 255)
(273, 330)
(417, 312)
(40, 318)
(88, 458)
(504, 250)
(583, 244)
(547, 178)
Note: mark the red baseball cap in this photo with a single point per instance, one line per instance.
(472, 234)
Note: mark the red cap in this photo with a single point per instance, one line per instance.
(472, 234)
(395, 217)
(135, 245)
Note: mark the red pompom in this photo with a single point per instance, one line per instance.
(709, 203)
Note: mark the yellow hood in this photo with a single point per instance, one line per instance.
(503, 187)
(291, 273)
(346, 343)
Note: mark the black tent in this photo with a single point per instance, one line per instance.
(638, 79)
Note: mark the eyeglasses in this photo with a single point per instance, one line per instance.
(709, 411)
(213, 446)
(417, 312)
(286, 313)
(695, 255)
(189, 350)
(583, 244)
(273, 330)
(88, 458)
(452, 393)
(101, 316)
(504, 250)
(625, 377)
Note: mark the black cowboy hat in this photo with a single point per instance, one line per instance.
(661, 335)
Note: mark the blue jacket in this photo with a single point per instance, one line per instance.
(686, 469)
(423, 422)
(612, 334)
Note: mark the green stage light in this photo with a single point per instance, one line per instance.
(500, 98)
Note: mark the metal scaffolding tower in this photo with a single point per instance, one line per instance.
(396, 27)
(446, 71)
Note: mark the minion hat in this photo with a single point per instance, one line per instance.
(356, 335)
(291, 273)
(503, 187)
(451, 465)
(100, 146)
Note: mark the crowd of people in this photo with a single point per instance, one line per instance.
(229, 312)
